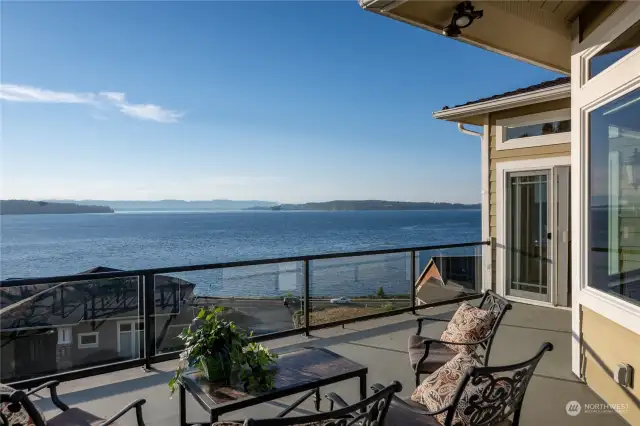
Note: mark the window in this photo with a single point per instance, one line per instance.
(614, 195)
(546, 128)
(64, 336)
(616, 50)
(88, 340)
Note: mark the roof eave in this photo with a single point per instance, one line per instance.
(543, 95)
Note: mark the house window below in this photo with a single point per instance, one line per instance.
(88, 340)
(64, 336)
(614, 194)
(545, 128)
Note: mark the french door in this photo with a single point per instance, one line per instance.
(528, 234)
(536, 223)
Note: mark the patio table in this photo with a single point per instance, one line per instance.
(304, 370)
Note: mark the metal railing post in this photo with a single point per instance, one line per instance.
(306, 303)
(149, 320)
(413, 281)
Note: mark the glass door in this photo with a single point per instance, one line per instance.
(528, 235)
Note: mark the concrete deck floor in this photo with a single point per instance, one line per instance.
(381, 345)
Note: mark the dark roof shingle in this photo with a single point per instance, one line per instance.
(544, 85)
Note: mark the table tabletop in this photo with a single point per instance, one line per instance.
(297, 371)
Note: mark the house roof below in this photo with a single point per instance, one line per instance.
(474, 112)
(529, 89)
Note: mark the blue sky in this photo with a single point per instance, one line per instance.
(283, 101)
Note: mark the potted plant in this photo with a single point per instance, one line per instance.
(225, 354)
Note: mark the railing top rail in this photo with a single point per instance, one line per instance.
(235, 264)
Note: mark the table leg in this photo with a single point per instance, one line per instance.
(317, 399)
(183, 406)
(213, 417)
(363, 390)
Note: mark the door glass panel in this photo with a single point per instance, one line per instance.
(616, 50)
(528, 265)
(614, 194)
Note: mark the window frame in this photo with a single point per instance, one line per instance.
(587, 96)
(88, 345)
(61, 335)
(609, 30)
(531, 141)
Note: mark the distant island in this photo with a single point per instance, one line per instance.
(371, 205)
(45, 207)
(173, 205)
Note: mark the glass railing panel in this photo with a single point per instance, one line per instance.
(350, 287)
(261, 299)
(52, 328)
(447, 274)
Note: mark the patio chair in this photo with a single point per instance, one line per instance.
(368, 412)
(484, 396)
(17, 409)
(427, 354)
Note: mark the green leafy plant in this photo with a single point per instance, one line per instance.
(225, 353)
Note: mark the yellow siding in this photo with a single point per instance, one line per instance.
(495, 156)
(604, 345)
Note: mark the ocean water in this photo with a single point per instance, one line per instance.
(45, 245)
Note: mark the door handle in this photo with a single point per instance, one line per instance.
(549, 235)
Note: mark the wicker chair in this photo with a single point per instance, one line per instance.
(18, 400)
(426, 354)
(368, 412)
(491, 395)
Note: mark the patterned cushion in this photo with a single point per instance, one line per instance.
(469, 324)
(437, 390)
(14, 413)
(20, 417)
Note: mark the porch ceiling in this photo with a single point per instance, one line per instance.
(538, 32)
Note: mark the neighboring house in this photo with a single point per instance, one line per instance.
(560, 169)
(447, 277)
(51, 328)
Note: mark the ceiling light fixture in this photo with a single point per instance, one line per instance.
(463, 17)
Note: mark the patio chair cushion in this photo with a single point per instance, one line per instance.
(469, 324)
(19, 417)
(75, 417)
(439, 354)
(438, 390)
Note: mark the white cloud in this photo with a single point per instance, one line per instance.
(150, 112)
(114, 96)
(18, 93)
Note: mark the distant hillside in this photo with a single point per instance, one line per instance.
(44, 207)
(374, 205)
(176, 205)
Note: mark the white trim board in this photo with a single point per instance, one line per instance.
(530, 119)
(487, 282)
(502, 168)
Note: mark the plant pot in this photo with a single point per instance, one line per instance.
(215, 368)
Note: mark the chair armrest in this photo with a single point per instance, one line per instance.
(377, 387)
(135, 404)
(337, 399)
(405, 406)
(53, 391)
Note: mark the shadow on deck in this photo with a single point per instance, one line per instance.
(381, 345)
